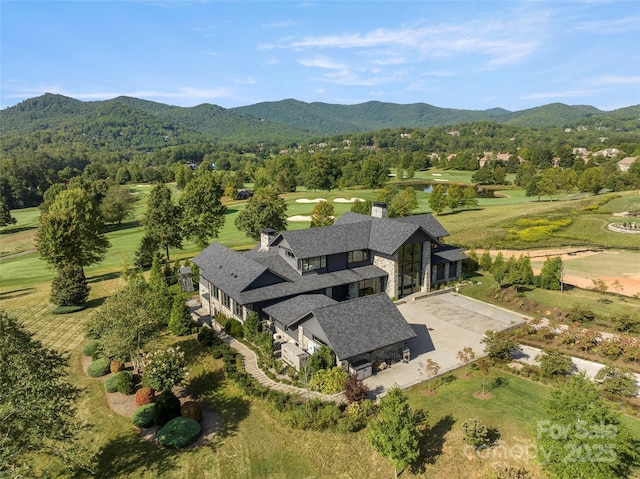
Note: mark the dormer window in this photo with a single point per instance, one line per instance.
(311, 264)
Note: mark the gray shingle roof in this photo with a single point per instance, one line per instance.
(363, 325)
(326, 240)
(446, 254)
(290, 310)
(428, 223)
(311, 282)
(229, 270)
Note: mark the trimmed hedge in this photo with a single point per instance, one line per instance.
(90, 349)
(143, 416)
(121, 382)
(98, 368)
(179, 432)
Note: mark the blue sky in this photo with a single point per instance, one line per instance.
(454, 54)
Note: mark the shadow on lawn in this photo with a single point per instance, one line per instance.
(131, 455)
(16, 293)
(432, 443)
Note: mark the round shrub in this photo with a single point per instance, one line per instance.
(116, 366)
(90, 349)
(121, 382)
(179, 432)
(98, 368)
(125, 383)
(143, 416)
(167, 408)
(111, 383)
(192, 410)
(144, 396)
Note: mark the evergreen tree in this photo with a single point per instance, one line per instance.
(180, 322)
(5, 213)
(551, 274)
(37, 403)
(322, 214)
(69, 287)
(361, 207)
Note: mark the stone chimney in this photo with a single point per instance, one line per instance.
(379, 210)
(266, 236)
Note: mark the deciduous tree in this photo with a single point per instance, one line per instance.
(395, 433)
(438, 199)
(202, 210)
(163, 219)
(265, 209)
(71, 231)
(579, 435)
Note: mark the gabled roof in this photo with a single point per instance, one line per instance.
(325, 241)
(362, 325)
(428, 223)
(230, 271)
(288, 311)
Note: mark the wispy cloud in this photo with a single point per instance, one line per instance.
(607, 80)
(615, 25)
(322, 61)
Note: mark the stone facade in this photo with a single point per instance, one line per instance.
(388, 263)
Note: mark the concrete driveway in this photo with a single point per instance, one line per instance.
(445, 324)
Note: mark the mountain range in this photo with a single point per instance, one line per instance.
(279, 121)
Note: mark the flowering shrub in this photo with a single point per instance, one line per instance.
(164, 369)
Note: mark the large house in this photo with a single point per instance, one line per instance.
(333, 285)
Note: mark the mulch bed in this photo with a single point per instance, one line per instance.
(124, 405)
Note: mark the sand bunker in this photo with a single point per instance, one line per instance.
(299, 218)
(347, 200)
(305, 200)
(439, 179)
(436, 174)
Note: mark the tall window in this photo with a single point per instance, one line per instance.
(226, 301)
(410, 268)
(311, 264)
(215, 292)
(237, 309)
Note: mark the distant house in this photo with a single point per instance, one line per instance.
(607, 152)
(244, 194)
(625, 163)
(333, 285)
(502, 157)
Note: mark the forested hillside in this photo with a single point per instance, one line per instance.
(53, 139)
